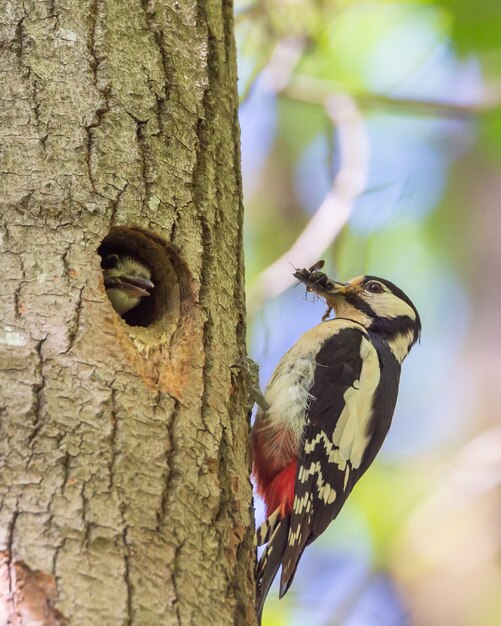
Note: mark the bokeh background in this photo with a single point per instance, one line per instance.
(371, 138)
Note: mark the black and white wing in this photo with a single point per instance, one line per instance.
(342, 436)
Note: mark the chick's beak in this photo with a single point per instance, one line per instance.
(135, 286)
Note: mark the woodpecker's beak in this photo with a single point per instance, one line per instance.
(336, 288)
(334, 292)
(134, 286)
(329, 288)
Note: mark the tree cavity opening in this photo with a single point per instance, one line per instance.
(143, 270)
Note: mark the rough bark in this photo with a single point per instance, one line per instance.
(124, 491)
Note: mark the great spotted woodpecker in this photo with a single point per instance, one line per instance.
(328, 408)
(126, 280)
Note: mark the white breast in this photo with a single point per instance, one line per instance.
(288, 395)
(121, 301)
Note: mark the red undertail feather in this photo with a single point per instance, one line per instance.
(275, 467)
(279, 492)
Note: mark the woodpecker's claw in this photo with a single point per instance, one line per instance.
(250, 371)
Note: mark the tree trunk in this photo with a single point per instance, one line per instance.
(124, 490)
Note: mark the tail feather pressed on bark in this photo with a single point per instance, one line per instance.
(270, 561)
(267, 528)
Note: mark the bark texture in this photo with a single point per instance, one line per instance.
(124, 490)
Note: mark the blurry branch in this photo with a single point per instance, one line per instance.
(342, 108)
(335, 209)
(286, 56)
(280, 62)
(315, 91)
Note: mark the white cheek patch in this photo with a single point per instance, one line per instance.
(388, 305)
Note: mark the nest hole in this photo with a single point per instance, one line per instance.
(169, 275)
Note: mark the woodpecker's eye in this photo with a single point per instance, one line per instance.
(110, 262)
(374, 287)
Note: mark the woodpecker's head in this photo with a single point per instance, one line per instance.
(126, 280)
(374, 302)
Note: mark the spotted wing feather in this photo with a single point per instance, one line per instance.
(326, 475)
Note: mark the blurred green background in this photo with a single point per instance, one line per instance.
(371, 137)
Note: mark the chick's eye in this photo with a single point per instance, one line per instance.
(374, 287)
(110, 262)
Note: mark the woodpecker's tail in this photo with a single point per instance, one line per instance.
(267, 528)
(270, 561)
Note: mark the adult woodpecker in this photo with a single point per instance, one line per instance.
(126, 280)
(327, 410)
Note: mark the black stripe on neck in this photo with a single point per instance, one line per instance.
(389, 328)
(360, 305)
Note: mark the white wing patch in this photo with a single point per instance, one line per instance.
(350, 434)
(304, 472)
(301, 503)
(350, 438)
(327, 494)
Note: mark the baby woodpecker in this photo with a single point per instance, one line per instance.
(126, 280)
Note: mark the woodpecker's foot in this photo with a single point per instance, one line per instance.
(250, 371)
